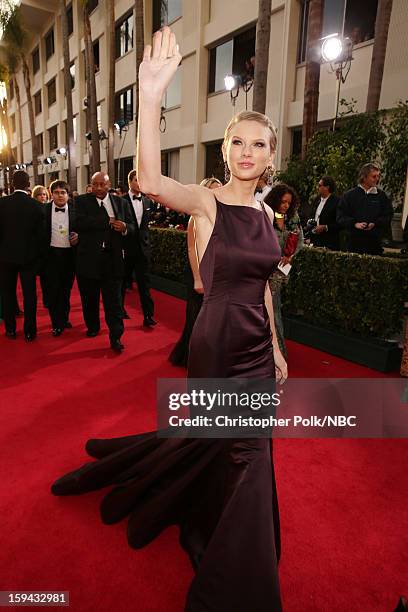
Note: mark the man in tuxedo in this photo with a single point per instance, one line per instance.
(102, 221)
(21, 247)
(138, 249)
(60, 257)
(326, 232)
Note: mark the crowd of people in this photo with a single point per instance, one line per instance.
(100, 238)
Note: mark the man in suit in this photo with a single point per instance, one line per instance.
(21, 247)
(138, 249)
(326, 232)
(60, 257)
(102, 220)
(366, 212)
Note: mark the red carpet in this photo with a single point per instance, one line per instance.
(343, 502)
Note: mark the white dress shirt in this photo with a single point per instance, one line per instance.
(137, 206)
(320, 208)
(60, 227)
(107, 204)
(371, 190)
(260, 196)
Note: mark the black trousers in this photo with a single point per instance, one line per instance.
(8, 284)
(90, 290)
(59, 278)
(138, 267)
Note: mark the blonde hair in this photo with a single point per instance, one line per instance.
(37, 190)
(207, 182)
(251, 116)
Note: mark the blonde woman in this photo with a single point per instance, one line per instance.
(221, 492)
(195, 289)
(40, 193)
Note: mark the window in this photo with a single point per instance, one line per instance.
(52, 92)
(359, 23)
(66, 130)
(124, 105)
(70, 19)
(53, 137)
(36, 60)
(231, 57)
(92, 4)
(99, 116)
(172, 97)
(122, 169)
(214, 163)
(37, 103)
(165, 12)
(96, 55)
(72, 73)
(124, 35)
(304, 21)
(40, 144)
(49, 44)
(170, 163)
(11, 87)
(13, 123)
(296, 142)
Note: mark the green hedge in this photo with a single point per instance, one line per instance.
(169, 253)
(353, 293)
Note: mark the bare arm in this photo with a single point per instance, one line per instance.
(280, 363)
(159, 65)
(193, 256)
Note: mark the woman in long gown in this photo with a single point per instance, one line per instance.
(221, 492)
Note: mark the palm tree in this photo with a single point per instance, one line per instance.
(4, 121)
(16, 40)
(312, 77)
(382, 23)
(71, 148)
(263, 34)
(95, 153)
(111, 89)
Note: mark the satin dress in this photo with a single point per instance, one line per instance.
(221, 492)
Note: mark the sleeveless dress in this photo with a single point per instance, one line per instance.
(221, 492)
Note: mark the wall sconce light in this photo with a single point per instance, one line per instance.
(88, 135)
(61, 151)
(102, 135)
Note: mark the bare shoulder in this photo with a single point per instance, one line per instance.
(203, 201)
(270, 213)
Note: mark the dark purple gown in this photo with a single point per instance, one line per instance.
(221, 492)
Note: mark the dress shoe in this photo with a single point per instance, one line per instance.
(30, 337)
(149, 322)
(92, 334)
(11, 334)
(57, 331)
(402, 605)
(125, 315)
(68, 325)
(117, 346)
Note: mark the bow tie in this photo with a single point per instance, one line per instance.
(135, 197)
(59, 209)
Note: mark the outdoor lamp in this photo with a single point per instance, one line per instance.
(61, 151)
(332, 48)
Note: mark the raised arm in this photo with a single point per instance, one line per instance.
(159, 65)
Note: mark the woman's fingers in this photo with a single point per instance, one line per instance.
(172, 45)
(157, 44)
(165, 43)
(147, 53)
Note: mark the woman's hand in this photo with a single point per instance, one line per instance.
(281, 367)
(198, 286)
(159, 63)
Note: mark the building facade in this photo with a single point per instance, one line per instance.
(217, 37)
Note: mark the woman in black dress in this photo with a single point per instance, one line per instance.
(195, 289)
(221, 492)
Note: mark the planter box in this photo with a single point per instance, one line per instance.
(370, 352)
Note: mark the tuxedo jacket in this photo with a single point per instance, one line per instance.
(328, 216)
(48, 213)
(139, 241)
(97, 241)
(21, 229)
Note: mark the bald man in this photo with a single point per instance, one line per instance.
(102, 222)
